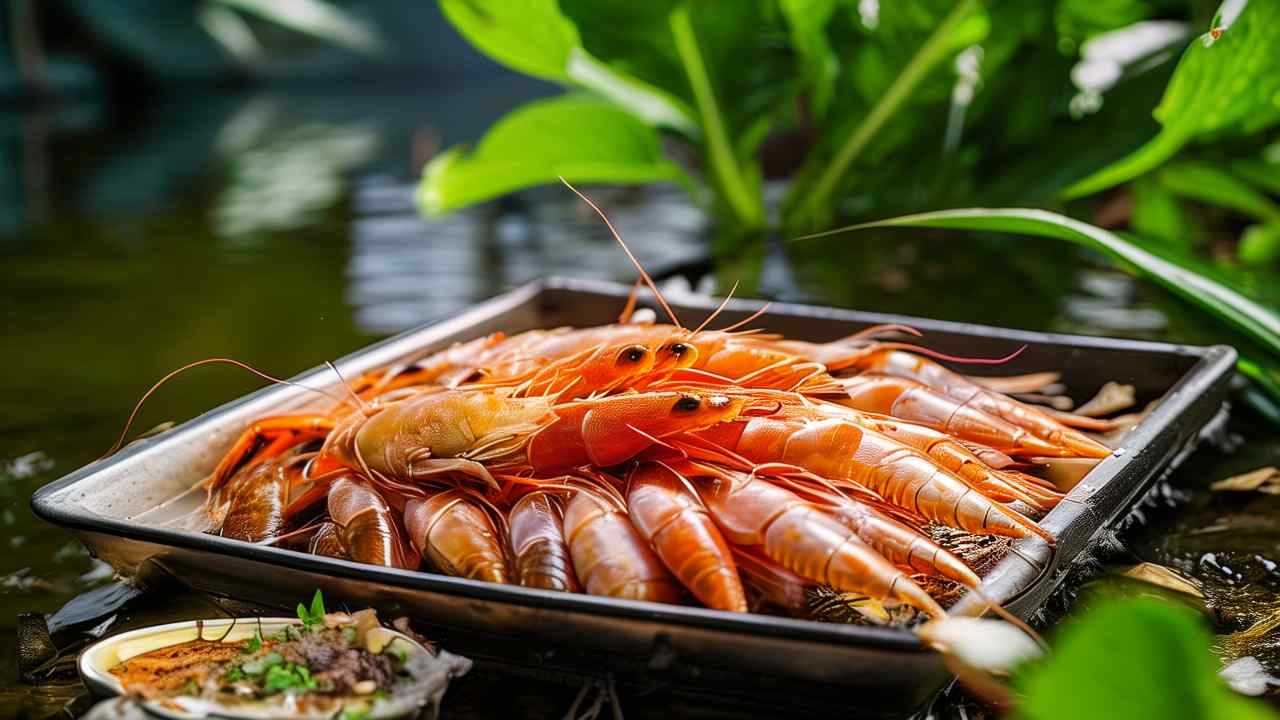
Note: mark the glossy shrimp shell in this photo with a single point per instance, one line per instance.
(541, 554)
(796, 535)
(456, 535)
(610, 556)
(675, 523)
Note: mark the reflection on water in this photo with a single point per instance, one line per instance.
(282, 176)
(404, 269)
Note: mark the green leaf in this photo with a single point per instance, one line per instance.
(317, 607)
(807, 20)
(1249, 317)
(1260, 171)
(809, 204)
(1224, 85)
(1260, 244)
(1158, 214)
(1140, 658)
(534, 37)
(579, 138)
(739, 194)
(1211, 184)
(253, 644)
(530, 36)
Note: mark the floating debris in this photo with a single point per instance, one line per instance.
(1263, 480)
(1111, 398)
(1164, 577)
(1247, 676)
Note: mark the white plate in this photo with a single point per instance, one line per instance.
(97, 660)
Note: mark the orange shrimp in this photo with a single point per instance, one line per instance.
(609, 555)
(793, 533)
(325, 541)
(843, 451)
(424, 370)
(537, 542)
(251, 506)
(366, 526)
(772, 583)
(916, 403)
(897, 542)
(455, 534)
(945, 450)
(465, 432)
(902, 364)
(674, 521)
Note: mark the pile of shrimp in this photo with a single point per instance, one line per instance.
(734, 468)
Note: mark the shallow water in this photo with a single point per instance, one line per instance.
(277, 230)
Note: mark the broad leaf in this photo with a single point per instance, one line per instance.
(1228, 82)
(530, 36)
(534, 37)
(1249, 317)
(579, 138)
(1140, 658)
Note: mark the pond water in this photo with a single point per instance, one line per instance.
(279, 230)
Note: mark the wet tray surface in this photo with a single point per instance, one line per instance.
(113, 503)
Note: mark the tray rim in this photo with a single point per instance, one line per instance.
(1211, 363)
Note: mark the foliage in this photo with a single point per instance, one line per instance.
(1179, 273)
(312, 617)
(1131, 659)
(868, 109)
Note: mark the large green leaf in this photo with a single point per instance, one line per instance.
(1249, 317)
(1142, 658)
(580, 138)
(534, 37)
(1228, 82)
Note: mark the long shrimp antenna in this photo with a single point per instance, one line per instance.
(937, 355)
(207, 361)
(359, 401)
(886, 328)
(718, 309)
(616, 236)
(750, 318)
(1010, 618)
(630, 308)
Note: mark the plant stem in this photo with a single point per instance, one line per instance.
(934, 50)
(747, 207)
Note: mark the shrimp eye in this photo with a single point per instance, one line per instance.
(678, 349)
(687, 403)
(633, 354)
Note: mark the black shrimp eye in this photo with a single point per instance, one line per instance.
(688, 403)
(634, 354)
(678, 349)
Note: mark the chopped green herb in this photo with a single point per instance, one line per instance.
(235, 674)
(400, 651)
(288, 677)
(253, 644)
(353, 714)
(262, 664)
(349, 634)
(191, 688)
(313, 616)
